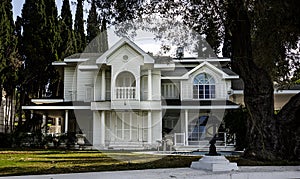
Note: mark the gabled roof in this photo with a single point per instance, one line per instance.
(212, 67)
(102, 59)
(82, 57)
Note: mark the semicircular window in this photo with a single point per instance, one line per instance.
(204, 87)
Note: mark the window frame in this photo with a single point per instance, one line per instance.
(204, 87)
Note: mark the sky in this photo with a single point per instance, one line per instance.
(18, 5)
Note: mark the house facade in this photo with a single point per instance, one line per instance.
(128, 99)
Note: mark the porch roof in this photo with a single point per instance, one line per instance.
(58, 106)
(199, 104)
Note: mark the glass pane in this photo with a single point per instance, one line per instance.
(195, 92)
(211, 80)
(207, 92)
(201, 92)
(134, 134)
(213, 91)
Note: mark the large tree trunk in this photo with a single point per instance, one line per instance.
(288, 128)
(258, 87)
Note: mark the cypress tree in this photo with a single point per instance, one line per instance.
(68, 43)
(9, 61)
(32, 43)
(66, 14)
(93, 29)
(79, 27)
(40, 42)
(52, 34)
(51, 31)
(5, 31)
(103, 36)
(93, 24)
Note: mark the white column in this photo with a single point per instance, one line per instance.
(149, 127)
(103, 85)
(130, 126)
(149, 84)
(102, 124)
(186, 114)
(66, 120)
(56, 125)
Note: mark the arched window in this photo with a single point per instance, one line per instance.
(125, 86)
(204, 87)
(125, 79)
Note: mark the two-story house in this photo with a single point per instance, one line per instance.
(127, 98)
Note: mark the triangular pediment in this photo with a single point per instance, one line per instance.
(207, 65)
(127, 45)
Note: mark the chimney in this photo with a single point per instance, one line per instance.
(179, 52)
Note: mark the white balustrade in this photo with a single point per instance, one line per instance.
(125, 92)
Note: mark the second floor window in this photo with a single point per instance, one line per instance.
(204, 87)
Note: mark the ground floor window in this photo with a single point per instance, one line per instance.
(126, 126)
(196, 129)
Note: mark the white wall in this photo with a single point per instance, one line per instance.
(156, 126)
(84, 119)
(156, 85)
(97, 86)
(70, 81)
(132, 65)
(85, 79)
(187, 85)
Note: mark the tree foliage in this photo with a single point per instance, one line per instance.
(259, 36)
(9, 63)
(9, 58)
(40, 42)
(96, 31)
(79, 27)
(68, 41)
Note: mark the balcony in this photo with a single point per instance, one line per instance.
(125, 93)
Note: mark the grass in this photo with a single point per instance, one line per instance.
(32, 162)
(56, 161)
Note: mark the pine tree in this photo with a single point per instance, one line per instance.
(79, 27)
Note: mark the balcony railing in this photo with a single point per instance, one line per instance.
(224, 139)
(125, 92)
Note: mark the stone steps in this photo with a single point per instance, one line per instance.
(127, 146)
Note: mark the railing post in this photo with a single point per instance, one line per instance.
(225, 139)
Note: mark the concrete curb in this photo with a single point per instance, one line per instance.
(265, 172)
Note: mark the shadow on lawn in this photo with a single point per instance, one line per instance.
(88, 165)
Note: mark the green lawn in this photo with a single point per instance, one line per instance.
(17, 162)
(56, 161)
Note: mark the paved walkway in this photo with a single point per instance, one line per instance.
(265, 172)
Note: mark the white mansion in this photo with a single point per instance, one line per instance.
(126, 98)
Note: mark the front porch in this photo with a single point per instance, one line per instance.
(224, 142)
(192, 129)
